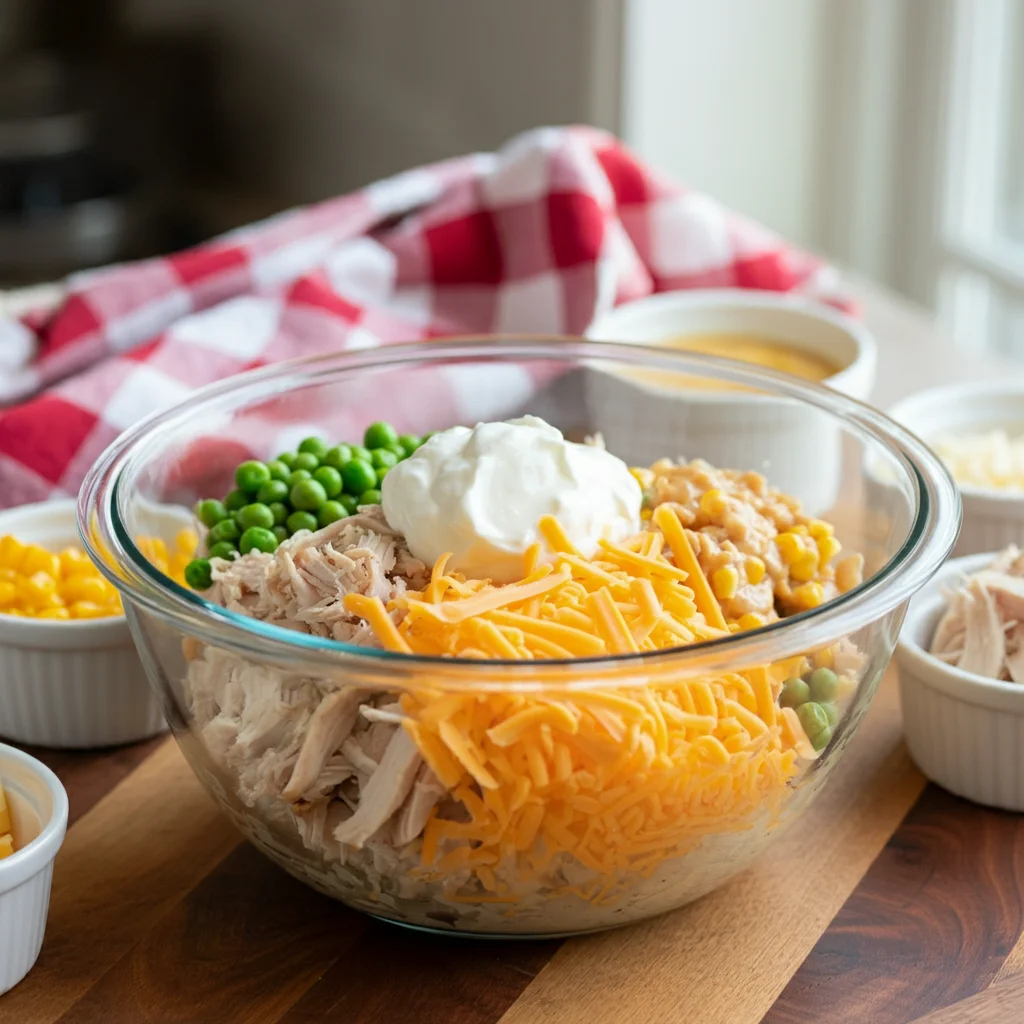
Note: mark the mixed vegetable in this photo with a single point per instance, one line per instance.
(40, 584)
(813, 698)
(302, 490)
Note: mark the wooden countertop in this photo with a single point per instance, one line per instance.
(890, 901)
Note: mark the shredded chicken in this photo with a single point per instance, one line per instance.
(982, 628)
(332, 758)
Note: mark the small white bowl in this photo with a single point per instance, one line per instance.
(39, 812)
(728, 428)
(965, 732)
(992, 519)
(71, 684)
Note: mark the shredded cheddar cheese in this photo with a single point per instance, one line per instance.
(616, 780)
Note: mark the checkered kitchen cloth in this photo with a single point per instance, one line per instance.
(541, 237)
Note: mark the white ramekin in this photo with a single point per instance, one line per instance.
(992, 519)
(39, 809)
(69, 684)
(797, 448)
(965, 732)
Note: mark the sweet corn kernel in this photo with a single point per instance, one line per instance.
(37, 591)
(186, 543)
(791, 546)
(825, 657)
(809, 595)
(828, 548)
(12, 553)
(87, 610)
(8, 593)
(755, 570)
(751, 620)
(60, 612)
(154, 549)
(805, 568)
(86, 588)
(646, 514)
(818, 528)
(38, 559)
(713, 502)
(725, 582)
(9, 575)
(74, 562)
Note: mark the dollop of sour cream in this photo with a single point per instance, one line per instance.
(479, 493)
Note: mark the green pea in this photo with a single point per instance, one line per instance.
(381, 473)
(301, 521)
(315, 446)
(257, 538)
(236, 500)
(409, 443)
(280, 511)
(226, 529)
(824, 684)
(337, 456)
(812, 718)
(251, 476)
(358, 476)
(794, 693)
(382, 458)
(278, 470)
(272, 490)
(831, 713)
(298, 476)
(379, 434)
(255, 515)
(359, 452)
(330, 512)
(820, 739)
(308, 496)
(370, 497)
(281, 533)
(286, 459)
(198, 575)
(349, 502)
(329, 479)
(223, 549)
(210, 511)
(306, 460)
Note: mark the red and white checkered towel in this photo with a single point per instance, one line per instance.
(543, 236)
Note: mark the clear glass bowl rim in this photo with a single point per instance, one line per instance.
(931, 537)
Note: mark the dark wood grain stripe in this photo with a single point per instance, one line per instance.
(242, 946)
(930, 923)
(88, 775)
(402, 976)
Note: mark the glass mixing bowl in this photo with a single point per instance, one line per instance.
(645, 812)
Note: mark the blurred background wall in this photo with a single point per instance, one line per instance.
(886, 134)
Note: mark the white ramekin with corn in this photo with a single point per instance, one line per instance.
(69, 672)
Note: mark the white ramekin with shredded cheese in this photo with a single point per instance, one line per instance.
(977, 429)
